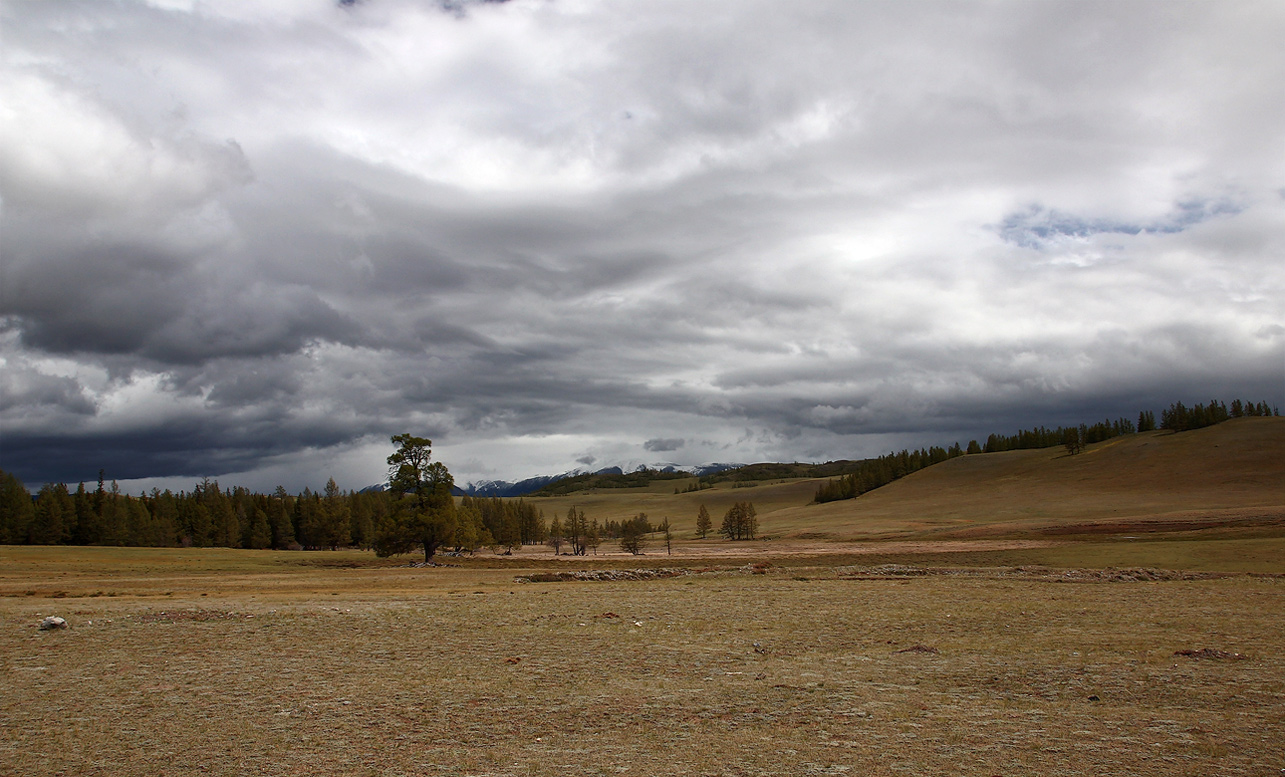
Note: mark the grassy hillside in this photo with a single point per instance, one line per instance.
(1232, 474)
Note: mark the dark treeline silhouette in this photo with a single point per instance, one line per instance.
(1180, 418)
(206, 516)
(210, 516)
(873, 473)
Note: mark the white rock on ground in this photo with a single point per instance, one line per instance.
(52, 622)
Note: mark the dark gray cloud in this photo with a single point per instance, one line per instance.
(661, 445)
(254, 242)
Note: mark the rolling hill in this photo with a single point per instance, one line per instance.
(1230, 476)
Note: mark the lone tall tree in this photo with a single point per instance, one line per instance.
(423, 509)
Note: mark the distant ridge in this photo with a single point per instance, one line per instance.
(504, 488)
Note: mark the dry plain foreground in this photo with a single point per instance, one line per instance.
(1007, 647)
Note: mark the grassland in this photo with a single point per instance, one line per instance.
(987, 616)
(1228, 477)
(222, 662)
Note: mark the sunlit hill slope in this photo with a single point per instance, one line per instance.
(1230, 477)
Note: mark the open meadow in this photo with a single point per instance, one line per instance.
(242, 662)
(1118, 612)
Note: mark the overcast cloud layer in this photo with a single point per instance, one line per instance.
(253, 240)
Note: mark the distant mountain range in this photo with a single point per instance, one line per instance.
(730, 471)
(489, 488)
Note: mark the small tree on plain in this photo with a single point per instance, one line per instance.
(703, 522)
(555, 534)
(633, 534)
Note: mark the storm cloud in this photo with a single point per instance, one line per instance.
(254, 241)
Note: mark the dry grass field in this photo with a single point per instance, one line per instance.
(237, 663)
(1120, 612)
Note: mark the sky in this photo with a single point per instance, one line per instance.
(252, 241)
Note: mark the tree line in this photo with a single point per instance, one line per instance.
(206, 516)
(417, 512)
(873, 473)
(1181, 418)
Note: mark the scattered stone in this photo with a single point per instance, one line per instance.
(918, 649)
(1094, 697)
(1220, 655)
(53, 622)
(199, 616)
(513, 660)
(608, 615)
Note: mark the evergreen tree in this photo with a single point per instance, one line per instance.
(17, 511)
(556, 537)
(280, 511)
(1073, 440)
(703, 522)
(86, 519)
(424, 511)
(335, 529)
(633, 535)
(260, 530)
(1146, 421)
(54, 511)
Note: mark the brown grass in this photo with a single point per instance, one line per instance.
(1226, 477)
(803, 655)
(290, 669)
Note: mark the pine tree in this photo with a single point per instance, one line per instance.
(54, 509)
(703, 522)
(633, 535)
(260, 531)
(17, 511)
(335, 528)
(555, 534)
(423, 511)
